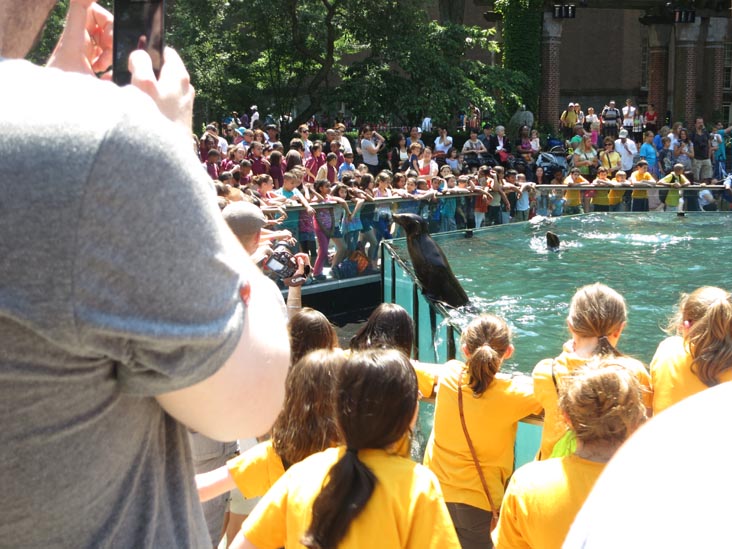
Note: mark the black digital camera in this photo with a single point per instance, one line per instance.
(282, 262)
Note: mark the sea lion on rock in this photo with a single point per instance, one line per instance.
(552, 241)
(430, 264)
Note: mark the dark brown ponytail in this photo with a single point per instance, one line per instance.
(376, 398)
(348, 488)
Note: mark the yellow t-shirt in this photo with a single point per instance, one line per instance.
(426, 377)
(406, 508)
(569, 118)
(611, 161)
(673, 196)
(637, 177)
(672, 377)
(542, 501)
(615, 196)
(572, 197)
(546, 392)
(492, 421)
(256, 470)
(601, 198)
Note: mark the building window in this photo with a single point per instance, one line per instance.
(727, 70)
(727, 113)
(644, 64)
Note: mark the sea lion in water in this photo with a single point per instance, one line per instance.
(430, 264)
(552, 241)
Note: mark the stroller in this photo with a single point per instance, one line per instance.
(555, 159)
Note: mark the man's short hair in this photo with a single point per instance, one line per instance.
(244, 218)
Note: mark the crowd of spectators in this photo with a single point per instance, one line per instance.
(333, 198)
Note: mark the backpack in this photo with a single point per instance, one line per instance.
(345, 269)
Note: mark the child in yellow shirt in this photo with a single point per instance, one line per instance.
(492, 404)
(699, 354)
(596, 319)
(602, 404)
(305, 426)
(641, 178)
(360, 494)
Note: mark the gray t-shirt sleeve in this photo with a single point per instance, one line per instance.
(156, 278)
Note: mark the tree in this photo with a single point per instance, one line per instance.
(522, 21)
(384, 59)
(206, 36)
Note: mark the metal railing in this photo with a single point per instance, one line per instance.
(456, 195)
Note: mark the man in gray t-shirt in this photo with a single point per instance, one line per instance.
(127, 307)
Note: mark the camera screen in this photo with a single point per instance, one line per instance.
(275, 265)
(137, 25)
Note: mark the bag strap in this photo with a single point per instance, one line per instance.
(554, 377)
(494, 510)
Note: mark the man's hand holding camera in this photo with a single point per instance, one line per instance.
(302, 272)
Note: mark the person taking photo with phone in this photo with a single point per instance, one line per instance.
(123, 325)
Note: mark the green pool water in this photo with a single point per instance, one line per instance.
(507, 270)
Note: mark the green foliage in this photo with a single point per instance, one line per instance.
(206, 40)
(429, 72)
(500, 91)
(522, 20)
(385, 60)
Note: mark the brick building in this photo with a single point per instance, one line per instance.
(618, 49)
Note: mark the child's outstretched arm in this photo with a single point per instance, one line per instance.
(214, 483)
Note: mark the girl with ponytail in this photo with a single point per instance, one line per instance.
(488, 405)
(698, 354)
(597, 317)
(602, 404)
(304, 426)
(361, 493)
